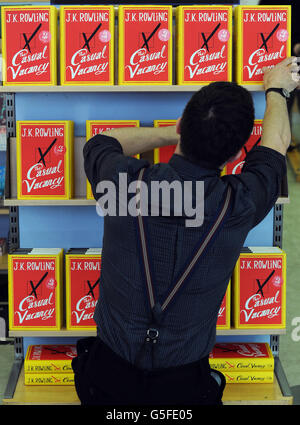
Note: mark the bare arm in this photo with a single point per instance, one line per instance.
(276, 132)
(142, 139)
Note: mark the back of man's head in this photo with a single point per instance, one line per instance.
(216, 123)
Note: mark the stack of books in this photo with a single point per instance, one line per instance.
(249, 363)
(49, 365)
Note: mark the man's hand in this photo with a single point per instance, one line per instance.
(283, 75)
(276, 132)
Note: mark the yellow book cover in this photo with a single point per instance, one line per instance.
(163, 154)
(49, 379)
(87, 45)
(249, 377)
(49, 358)
(94, 127)
(262, 38)
(82, 272)
(45, 159)
(224, 314)
(242, 356)
(35, 289)
(203, 44)
(145, 45)
(259, 288)
(29, 45)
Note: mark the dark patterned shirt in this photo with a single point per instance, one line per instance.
(189, 327)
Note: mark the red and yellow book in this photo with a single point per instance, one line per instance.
(49, 379)
(262, 38)
(35, 289)
(29, 45)
(203, 44)
(259, 289)
(45, 159)
(249, 377)
(145, 44)
(87, 45)
(83, 269)
(242, 356)
(49, 358)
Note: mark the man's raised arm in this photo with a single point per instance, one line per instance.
(136, 140)
(276, 132)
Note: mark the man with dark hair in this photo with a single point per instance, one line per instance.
(216, 122)
(163, 281)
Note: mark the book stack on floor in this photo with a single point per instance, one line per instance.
(49, 365)
(249, 363)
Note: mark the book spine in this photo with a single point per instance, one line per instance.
(249, 377)
(49, 379)
(254, 365)
(47, 366)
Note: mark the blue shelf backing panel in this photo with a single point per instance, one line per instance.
(243, 338)
(262, 234)
(80, 107)
(60, 227)
(80, 226)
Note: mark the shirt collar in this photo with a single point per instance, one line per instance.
(187, 168)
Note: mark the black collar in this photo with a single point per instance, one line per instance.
(188, 168)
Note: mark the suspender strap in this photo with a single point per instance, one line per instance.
(201, 250)
(145, 253)
(158, 309)
(213, 231)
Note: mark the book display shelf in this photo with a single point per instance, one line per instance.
(74, 223)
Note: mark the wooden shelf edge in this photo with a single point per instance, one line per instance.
(49, 202)
(113, 88)
(83, 333)
(245, 332)
(55, 333)
(283, 200)
(13, 202)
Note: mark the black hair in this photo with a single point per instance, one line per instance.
(216, 123)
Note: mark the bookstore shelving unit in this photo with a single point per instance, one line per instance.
(16, 392)
(75, 223)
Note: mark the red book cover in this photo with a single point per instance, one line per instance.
(44, 159)
(240, 350)
(50, 359)
(263, 38)
(145, 44)
(87, 45)
(204, 37)
(259, 288)
(29, 45)
(35, 290)
(82, 288)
